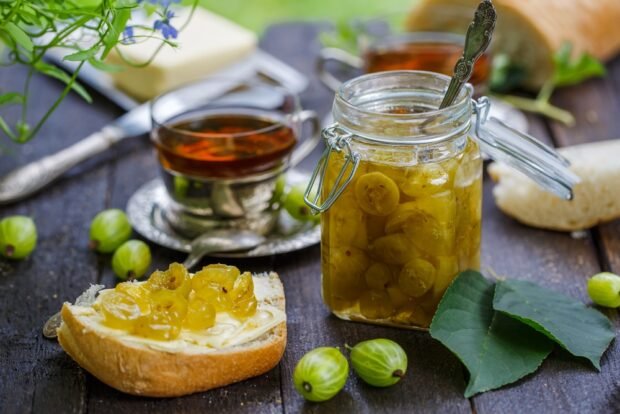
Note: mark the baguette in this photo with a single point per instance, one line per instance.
(597, 197)
(531, 31)
(171, 368)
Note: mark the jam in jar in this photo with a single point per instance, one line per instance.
(400, 191)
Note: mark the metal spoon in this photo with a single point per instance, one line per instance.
(217, 241)
(221, 241)
(477, 40)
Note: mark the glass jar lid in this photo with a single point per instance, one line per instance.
(359, 111)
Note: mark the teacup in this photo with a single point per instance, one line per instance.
(222, 145)
(428, 51)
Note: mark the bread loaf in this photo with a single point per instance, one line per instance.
(531, 31)
(597, 197)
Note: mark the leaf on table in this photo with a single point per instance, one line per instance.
(496, 349)
(582, 331)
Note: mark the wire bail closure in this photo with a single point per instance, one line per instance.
(337, 139)
(481, 109)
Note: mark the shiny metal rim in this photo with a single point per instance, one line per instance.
(144, 212)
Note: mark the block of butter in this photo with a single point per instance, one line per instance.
(207, 44)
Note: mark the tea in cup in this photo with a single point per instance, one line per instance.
(222, 145)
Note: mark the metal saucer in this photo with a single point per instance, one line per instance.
(145, 212)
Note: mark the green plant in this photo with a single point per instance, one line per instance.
(568, 72)
(87, 30)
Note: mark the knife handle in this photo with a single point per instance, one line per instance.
(32, 177)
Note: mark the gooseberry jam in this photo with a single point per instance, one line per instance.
(398, 235)
(405, 184)
(171, 301)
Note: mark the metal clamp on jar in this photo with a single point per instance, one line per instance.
(400, 191)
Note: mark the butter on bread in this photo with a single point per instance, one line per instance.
(207, 44)
(145, 367)
(597, 197)
(531, 31)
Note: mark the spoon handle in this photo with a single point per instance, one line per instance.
(197, 254)
(477, 40)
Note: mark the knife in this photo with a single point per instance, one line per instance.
(30, 178)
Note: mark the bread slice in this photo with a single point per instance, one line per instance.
(531, 31)
(165, 369)
(597, 197)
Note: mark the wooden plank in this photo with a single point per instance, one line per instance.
(597, 105)
(134, 163)
(563, 263)
(435, 379)
(36, 374)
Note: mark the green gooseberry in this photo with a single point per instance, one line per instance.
(321, 374)
(108, 230)
(18, 237)
(278, 190)
(379, 362)
(131, 260)
(604, 289)
(296, 206)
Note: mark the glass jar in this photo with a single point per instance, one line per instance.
(400, 190)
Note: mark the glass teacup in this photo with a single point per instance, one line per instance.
(222, 145)
(427, 51)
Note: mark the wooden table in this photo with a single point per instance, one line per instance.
(36, 375)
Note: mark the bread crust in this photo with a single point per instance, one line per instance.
(531, 31)
(140, 370)
(597, 197)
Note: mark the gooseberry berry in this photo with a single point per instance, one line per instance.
(176, 278)
(131, 260)
(604, 289)
(108, 230)
(18, 237)
(296, 206)
(321, 374)
(379, 362)
(278, 190)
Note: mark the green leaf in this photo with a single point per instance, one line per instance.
(11, 98)
(496, 349)
(505, 75)
(582, 331)
(116, 27)
(82, 54)
(571, 72)
(105, 67)
(4, 127)
(19, 36)
(56, 73)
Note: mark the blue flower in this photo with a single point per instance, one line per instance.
(167, 30)
(164, 3)
(128, 35)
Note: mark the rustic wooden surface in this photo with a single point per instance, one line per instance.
(36, 375)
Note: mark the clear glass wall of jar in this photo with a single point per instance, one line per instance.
(409, 219)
